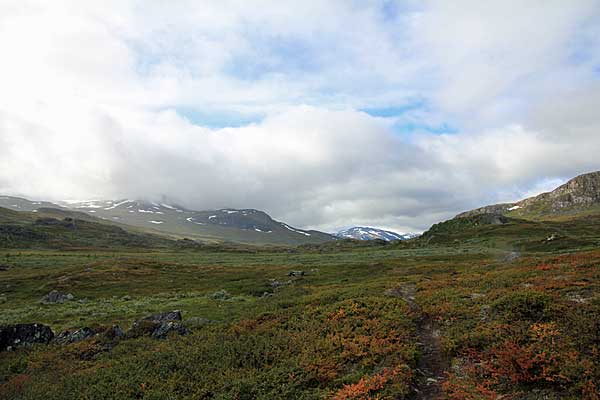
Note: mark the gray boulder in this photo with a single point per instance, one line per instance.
(114, 332)
(159, 325)
(164, 328)
(56, 297)
(21, 335)
(165, 316)
(66, 337)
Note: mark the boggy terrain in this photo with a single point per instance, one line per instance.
(412, 320)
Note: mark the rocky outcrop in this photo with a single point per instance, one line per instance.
(159, 326)
(21, 335)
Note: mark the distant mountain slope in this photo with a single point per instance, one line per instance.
(21, 204)
(55, 228)
(368, 233)
(242, 226)
(578, 197)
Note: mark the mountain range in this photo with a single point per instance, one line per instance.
(578, 198)
(235, 225)
(368, 233)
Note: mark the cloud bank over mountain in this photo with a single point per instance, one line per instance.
(325, 114)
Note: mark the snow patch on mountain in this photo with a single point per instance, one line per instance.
(368, 233)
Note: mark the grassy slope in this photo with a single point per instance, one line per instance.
(52, 228)
(543, 212)
(526, 328)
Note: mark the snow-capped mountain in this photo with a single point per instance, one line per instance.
(236, 225)
(367, 233)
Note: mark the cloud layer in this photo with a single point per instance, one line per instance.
(325, 114)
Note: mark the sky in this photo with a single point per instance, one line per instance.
(325, 114)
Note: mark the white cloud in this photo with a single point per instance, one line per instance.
(108, 99)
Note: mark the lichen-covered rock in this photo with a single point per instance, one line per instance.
(20, 335)
(77, 335)
(158, 325)
(114, 332)
(164, 328)
(56, 297)
(165, 316)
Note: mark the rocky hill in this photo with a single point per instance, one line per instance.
(578, 197)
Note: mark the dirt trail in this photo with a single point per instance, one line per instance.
(432, 365)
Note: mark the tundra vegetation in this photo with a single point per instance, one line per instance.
(474, 309)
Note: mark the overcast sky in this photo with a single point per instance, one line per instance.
(325, 114)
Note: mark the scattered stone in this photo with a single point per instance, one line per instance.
(484, 312)
(165, 316)
(277, 284)
(165, 328)
(4, 267)
(552, 237)
(159, 325)
(267, 294)
(126, 298)
(512, 256)
(56, 297)
(475, 296)
(393, 292)
(220, 295)
(296, 273)
(114, 332)
(3, 299)
(21, 335)
(77, 335)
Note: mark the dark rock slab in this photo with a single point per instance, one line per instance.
(22, 335)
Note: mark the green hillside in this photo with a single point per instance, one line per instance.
(53, 228)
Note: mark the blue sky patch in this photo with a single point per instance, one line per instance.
(217, 119)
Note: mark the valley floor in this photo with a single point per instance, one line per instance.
(385, 323)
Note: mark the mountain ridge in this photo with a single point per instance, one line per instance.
(228, 224)
(369, 233)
